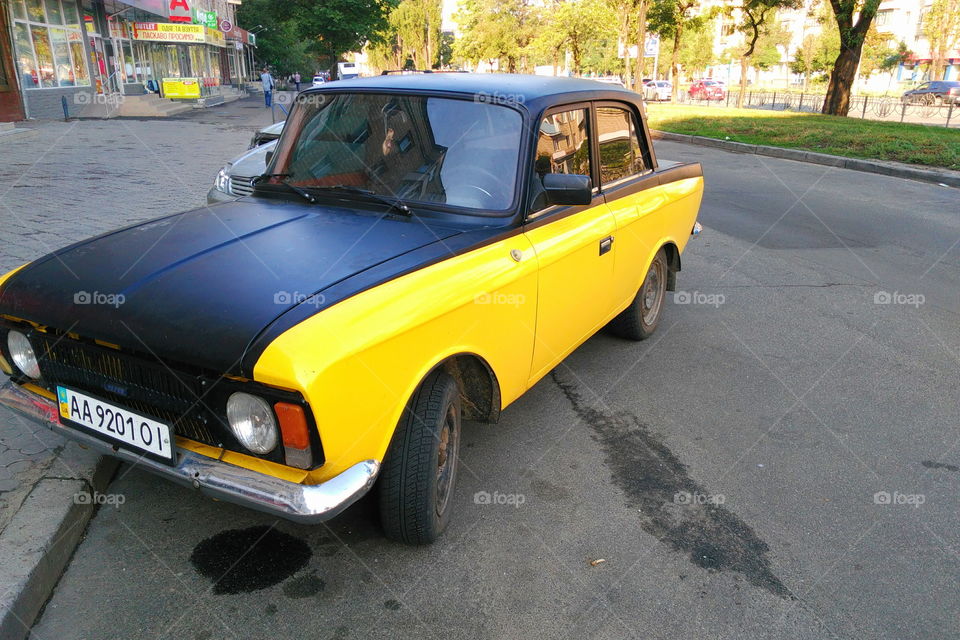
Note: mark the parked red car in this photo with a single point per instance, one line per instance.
(707, 90)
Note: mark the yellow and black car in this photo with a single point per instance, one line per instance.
(422, 250)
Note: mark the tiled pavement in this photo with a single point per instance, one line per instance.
(76, 179)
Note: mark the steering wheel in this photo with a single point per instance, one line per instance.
(470, 183)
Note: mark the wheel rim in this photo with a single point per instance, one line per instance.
(653, 287)
(447, 445)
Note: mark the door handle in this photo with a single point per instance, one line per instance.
(606, 244)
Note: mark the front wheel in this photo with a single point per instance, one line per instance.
(640, 319)
(417, 479)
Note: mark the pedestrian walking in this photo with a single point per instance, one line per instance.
(268, 85)
(296, 80)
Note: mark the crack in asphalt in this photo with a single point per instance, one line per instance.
(652, 477)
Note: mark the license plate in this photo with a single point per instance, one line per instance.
(117, 425)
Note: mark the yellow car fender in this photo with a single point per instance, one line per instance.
(358, 362)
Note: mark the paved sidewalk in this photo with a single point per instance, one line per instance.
(66, 182)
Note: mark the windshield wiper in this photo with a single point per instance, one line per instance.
(309, 197)
(392, 203)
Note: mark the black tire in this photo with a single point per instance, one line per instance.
(641, 318)
(417, 478)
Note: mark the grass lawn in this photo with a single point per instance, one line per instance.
(850, 137)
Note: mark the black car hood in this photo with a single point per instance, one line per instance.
(199, 287)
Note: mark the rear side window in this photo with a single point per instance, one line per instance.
(621, 155)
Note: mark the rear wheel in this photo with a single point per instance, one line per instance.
(640, 319)
(417, 479)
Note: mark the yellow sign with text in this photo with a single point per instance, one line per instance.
(183, 88)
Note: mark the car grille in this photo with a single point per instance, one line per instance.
(148, 388)
(240, 185)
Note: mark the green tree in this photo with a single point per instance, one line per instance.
(495, 30)
(852, 37)
(696, 48)
(671, 19)
(327, 29)
(941, 27)
(756, 20)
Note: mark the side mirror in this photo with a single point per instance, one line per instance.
(567, 188)
(268, 156)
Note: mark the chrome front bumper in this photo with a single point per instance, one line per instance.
(298, 502)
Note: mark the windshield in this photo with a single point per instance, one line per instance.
(415, 148)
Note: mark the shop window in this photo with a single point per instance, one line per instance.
(29, 77)
(61, 57)
(19, 10)
(128, 67)
(48, 56)
(41, 47)
(79, 69)
(35, 11)
(620, 153)
(54, 15)
(71, 17)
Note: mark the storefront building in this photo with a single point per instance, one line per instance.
(49, 55)
(90, 50)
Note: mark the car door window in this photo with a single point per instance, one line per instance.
(621, 155)
(563, 146)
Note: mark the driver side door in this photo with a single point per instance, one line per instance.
(574, 244)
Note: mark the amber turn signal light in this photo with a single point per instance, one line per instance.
(293, 425)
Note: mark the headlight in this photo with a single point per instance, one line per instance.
(252, 422)
(22, 353)
(222, 183)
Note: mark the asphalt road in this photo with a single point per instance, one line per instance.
(782, 460)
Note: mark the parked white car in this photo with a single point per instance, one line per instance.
(657, 90)
(234, 179)
(318, 81)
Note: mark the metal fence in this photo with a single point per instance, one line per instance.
(888, 108)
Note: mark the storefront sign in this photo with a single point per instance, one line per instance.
(206, 18)
(177, 33)
(163, 32)
(179, 11)
(214, 37)
(226, 26)
(182, 88)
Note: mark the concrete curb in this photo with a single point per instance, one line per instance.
(40, 539)
(945, 177)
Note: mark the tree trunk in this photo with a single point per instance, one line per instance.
(641, 45)
(674, 63)
(744, 65)
(837, 101)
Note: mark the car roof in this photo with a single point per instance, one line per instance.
(531, 90)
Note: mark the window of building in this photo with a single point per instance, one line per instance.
(883, 17)
(48, 44)
(621, 155)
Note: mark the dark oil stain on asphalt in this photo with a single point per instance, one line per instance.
(304, 586)
(713, 537)
(245, 560)
(930, 464)
(392, 605)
